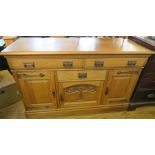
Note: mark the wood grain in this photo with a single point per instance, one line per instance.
(74, 75)
(63, 46)
(37, 91)
(67, 76)
(120, 85)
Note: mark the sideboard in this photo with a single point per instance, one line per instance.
(70, 76)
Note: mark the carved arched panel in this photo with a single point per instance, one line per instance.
(83, 92)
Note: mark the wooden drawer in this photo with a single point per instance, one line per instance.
(37, 63)
(126, 72)
(115, 62)
(33, 75)
(83, 75)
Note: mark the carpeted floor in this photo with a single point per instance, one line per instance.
(17, 111)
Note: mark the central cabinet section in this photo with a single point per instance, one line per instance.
(80, 88)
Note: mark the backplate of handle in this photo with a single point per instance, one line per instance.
(68, 64)
(29, 64)
(99, 63)
(82, 75)
(131, 63)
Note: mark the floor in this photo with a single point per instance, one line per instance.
(16, 110)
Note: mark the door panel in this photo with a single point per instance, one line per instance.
(80, 94)
(120, 85)
(37, 86)
(116, 86)
(38, 89)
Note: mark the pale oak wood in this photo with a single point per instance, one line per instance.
(82, 93)
(64, 76)
(120, 85)
(38, 92)
(61, 112)
(40, 63)
(63, 46)
(48, 63)
(115, 62)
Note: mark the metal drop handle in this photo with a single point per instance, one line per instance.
(29, 64)
(35, 75)
(129, 72)
(82, 75)
(68, 64)
(99, 63)
(131, 63)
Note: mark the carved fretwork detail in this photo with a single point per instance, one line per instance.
(80, 89)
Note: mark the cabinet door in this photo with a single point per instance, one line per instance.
(38, 89)
(120, 85)
(80, 94)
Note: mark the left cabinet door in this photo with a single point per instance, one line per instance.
(37, 89)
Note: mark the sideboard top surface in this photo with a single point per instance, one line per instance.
(85, 45)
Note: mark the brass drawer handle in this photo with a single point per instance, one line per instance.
(29, 64)
(68, 64)
(99, 63)
(82, 75)
(131, 63)
(129, 72)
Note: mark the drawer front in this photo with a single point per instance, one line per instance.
(33, 75)
(45, 63)
(143, 96)
(115, 62)
(148, 81)
(126, 72)
(83, 75)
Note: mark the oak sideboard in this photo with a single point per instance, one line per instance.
(70, 76)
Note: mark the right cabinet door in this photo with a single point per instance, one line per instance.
(120, 85)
